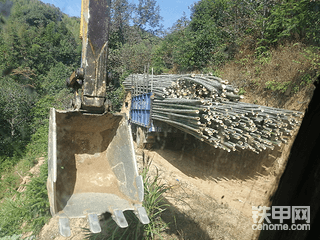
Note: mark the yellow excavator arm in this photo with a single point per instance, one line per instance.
(91, 77)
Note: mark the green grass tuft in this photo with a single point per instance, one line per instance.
(29, 209)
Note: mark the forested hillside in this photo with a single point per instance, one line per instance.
(39, 49)
(216, 30)
(269, 47)
(264, 45)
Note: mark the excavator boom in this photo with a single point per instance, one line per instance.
(91, 160)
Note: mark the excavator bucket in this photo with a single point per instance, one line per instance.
(92, 169)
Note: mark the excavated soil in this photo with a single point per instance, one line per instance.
(51, 229)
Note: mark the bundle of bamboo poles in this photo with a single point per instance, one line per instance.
(142, 83)
(209, 109)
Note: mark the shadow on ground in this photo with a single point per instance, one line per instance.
(179, 226)
(200, 160)
(182, 226)
(203, 218)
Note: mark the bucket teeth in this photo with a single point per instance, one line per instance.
(94, 223)
(119, 218)
(64, 226)
(142, 215)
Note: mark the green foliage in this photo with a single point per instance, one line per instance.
(306, 79)
(116, 98)
(257, 70)
(209, 39)
(153, 191)
(13, 237)
(30, 208)
(54, 81)
(242, 91)
(277, 86)
(311, 53)
(263, 58)
(217, 27)
(242, 61)
(213, 71)
(15, 118)
(41, 110)
(12, 215)
(147, 14)
(130, 47)
(37, 51)
(39, 142)
(295, 89)
(35, 39)
(39, 48)
(136, 56)
(158, 62)
(37, 200)
(10, 181)
(290, 20)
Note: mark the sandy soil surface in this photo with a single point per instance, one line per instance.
(51, 229)
(211, 196)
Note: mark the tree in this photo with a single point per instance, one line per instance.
(38, 51)
(292, 19)
(36, 38)
(121, 14)
(148, 15)
(5, 9)
(15, 106)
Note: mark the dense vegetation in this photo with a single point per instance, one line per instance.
(218, 28)
(40, 47)
(261, 46)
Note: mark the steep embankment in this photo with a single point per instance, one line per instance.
(281, 78)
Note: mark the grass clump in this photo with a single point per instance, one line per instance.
(153, 190)
(277, 86)
(26, 211)
(13, 237)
